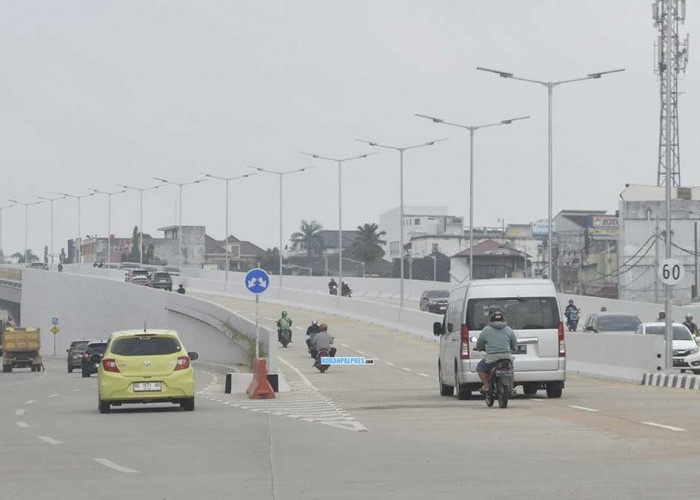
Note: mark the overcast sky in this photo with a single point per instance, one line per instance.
(98, 93)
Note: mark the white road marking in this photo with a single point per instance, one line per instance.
(269, 319)
(407, 369)
(117, 467)
(424, 375)
(583, 408)
(360, 352)
(50, 440)
(662, 426)
(30, 401)
(390, 364)
(345, 345)
(19, 412)
(23, 425)
(537, 400)
(77, 390)
(53, 395)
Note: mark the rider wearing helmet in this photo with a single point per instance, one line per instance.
(311, 331)
(284, 323)
(690, 325)
(322, 340)
(498, 340)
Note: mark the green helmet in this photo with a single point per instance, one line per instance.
(284, 314)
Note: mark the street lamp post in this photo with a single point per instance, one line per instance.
(434, 257)
(472, 129)
(26, 224)
(51, 200)
(140, 190)
(340, 162)
(357, 262)
(226, 181)
(109, 220)
(2, 250)
(179, 231)
(280, 175)
(549, 85)
(401, 151)
(80, 238)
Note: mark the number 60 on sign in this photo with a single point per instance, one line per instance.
(671, 272)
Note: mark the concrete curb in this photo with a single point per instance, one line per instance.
(691, 382)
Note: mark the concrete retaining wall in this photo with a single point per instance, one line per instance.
(91, 307)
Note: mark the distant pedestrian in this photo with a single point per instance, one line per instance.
(662, 317)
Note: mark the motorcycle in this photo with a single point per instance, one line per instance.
(501, 383)
(333, 289)
(322, 353)
(347, 292)
(308, 344)
(285, 337)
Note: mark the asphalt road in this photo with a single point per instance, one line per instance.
(378, 431)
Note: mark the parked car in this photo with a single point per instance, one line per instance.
(132, 273)
(162, 280)
(612, 322)
(75, 354)
(531, 308)
(88, 362)
(434, 301)
(146, 366)
(38, 265)
(686, 354)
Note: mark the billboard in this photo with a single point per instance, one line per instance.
(541, 228)
(607, 222)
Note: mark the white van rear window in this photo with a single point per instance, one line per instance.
(521, 313)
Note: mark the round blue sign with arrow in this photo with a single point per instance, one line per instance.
(257, 281)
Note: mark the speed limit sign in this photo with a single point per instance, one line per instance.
(671, 272)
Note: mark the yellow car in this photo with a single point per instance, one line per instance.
(145, 366)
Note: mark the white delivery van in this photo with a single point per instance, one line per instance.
(531, 309)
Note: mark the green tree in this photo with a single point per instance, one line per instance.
(135, 255)
(148, 257)
(46, 254)
(367, 245)
(308, 238)
(31, 256)
(269, 260)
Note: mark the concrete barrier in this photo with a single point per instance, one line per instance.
(91, 307)
(616, 356)
(677, 381)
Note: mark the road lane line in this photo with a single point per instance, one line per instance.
(269, 319)
(117, 467)
(662, 426)
(77, 390)
(19, 412)
(23, 425)
(50, 440)
(360, 352)
(583, 408)
(424, 375)
(407, 369)
(345, 345)
(537, 400)
(30, 401)
(53, 395)
(390, 364)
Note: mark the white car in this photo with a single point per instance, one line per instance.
(531, 309)
(686, 354)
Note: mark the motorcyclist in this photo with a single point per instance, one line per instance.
(498, 340)
(181, 289)
(284, 323)
(312, 330)
(60, 267)
(662, 317)
(345, 290)
(690, 325)
(572, 314)
(322, 340)
(333, 287)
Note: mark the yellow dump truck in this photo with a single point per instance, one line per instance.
(20, 349)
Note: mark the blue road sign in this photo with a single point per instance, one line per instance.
(257, 281)
(54, 321)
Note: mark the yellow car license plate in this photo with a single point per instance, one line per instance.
(147, 386)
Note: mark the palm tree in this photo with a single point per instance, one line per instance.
(31, 257)
(367, 245)
(308, 238)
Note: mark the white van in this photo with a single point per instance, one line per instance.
(531, 309)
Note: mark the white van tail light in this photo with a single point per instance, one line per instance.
(562, 345)
(465, 342)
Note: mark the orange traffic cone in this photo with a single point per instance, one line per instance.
(259, 387)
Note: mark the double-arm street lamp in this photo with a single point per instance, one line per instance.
(2, 253)
(472, 129)
(109, 219)
(340, 162)
(280, 175)
(226, 181)
(179, 231)
(51, 200)
(78, 249)
(140, 190)
(26, 223)
(401, 151)
(549, 85)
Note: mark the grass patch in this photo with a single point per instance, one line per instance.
(246, 342)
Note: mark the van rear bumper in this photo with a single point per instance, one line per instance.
(469, 377)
